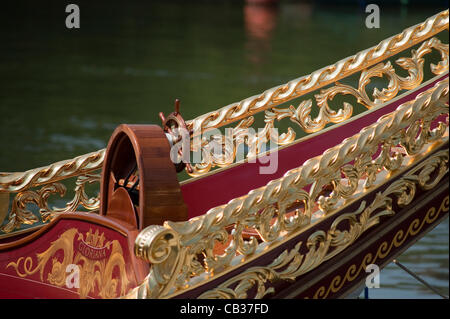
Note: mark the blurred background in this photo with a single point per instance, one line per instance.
(63, 91)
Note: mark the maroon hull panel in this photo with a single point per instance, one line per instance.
(71, 258)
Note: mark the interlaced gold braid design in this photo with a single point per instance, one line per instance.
(322, 77)
(87, 163)
(174, 249)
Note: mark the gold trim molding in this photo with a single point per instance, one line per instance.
(383, 250)
(87, 163)
(301, 115)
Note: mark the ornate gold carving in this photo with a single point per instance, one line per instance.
(383, 250)
(414, 66)
(4, 203)
(98, 260)
(302, 114)
(283, 207)
(81, 198)
(324, 76)
(84, 164)
(159, 245)
(322, 245)
(20, 215)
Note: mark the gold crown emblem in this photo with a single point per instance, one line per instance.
(95, 239)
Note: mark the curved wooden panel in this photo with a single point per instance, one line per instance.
(146, 148)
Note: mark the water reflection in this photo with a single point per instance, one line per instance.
(261, 18)
(429, 259)
(260, 22)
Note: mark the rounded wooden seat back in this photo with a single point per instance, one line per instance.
(139, 184)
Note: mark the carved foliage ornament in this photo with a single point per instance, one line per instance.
(20, 214)
(327, 75)
(101, 263)
(256, 142)
(323, 245)
(266, 209)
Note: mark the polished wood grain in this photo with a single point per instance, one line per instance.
(147, 148)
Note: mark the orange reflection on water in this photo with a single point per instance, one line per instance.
(260, 21)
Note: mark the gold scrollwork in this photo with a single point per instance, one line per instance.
(302, 114)
(268, 210)
(414, 66)
(383, 250)
(20, 215)
(322, 245)
(101, 264)
(159, 246)
(324, 76)
(22, 182)
(80, 197)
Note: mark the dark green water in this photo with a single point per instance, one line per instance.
(62, 92)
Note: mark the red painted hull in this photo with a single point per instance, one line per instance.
(39, 265)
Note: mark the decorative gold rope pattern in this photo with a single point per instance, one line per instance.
(324, 245)
(383, 250)
(105, 275)
(84, 164)
(322, 77)
(406, 130)
(301, 115)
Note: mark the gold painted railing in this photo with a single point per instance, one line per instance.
(36, 185)
(86, 170)
(320, 78)
(367, 160)
(364, 62)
